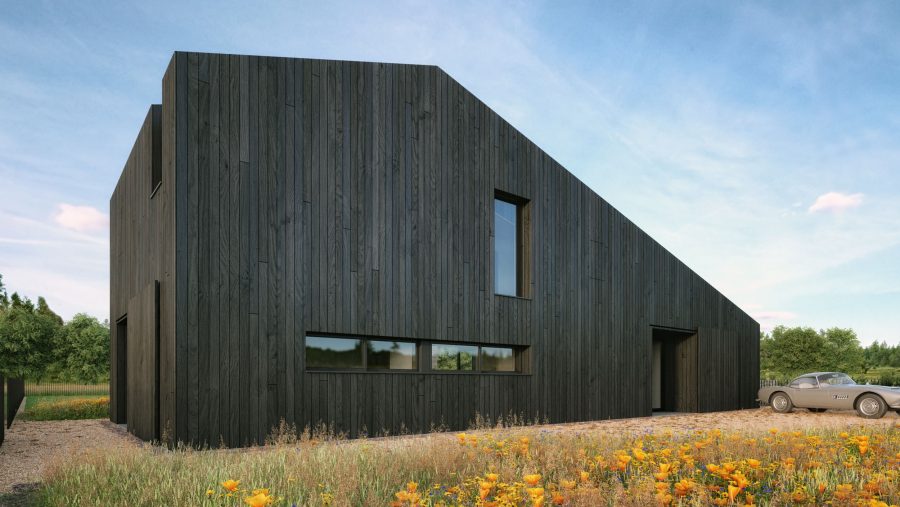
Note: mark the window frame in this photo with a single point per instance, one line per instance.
(416, 355)
(521, 355)
(523, 243)
(362, 344)
(156, 173)
(795, 384)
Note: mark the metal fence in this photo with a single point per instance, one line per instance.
(33, 388)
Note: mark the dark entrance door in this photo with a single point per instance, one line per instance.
(121, 388)
(143, 363)
(673, 367)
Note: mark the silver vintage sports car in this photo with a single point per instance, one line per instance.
(821, 391)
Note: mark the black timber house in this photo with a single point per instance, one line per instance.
(369, 245)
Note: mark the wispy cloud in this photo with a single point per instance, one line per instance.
(81, 218)
(705, 126)
(767, 318)
(835, 202)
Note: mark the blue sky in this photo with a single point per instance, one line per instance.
(758, 141)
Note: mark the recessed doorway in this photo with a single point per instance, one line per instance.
(121, 404)
(673, 367)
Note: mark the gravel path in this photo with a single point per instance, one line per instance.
(31, 445)
(758, 419)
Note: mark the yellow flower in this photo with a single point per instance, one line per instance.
(584, 476)
(567, 484)
(843, 491)
(733, 492)
(683, 487)
(258, 500)
(532, 479)
(492, 477)
(231, 485)
(210, 492)
(558, 499)
(264, 491)
(535, 492)
(412, 487)
(754, 463)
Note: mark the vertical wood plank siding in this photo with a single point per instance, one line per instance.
(142, 252)
(357, 198)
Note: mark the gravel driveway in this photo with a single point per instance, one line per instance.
(757, 419)
(31, 445)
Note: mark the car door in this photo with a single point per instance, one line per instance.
(804, 392)
(835, 395)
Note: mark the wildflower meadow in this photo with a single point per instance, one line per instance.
(523, 466)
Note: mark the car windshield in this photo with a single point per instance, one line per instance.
(836, 379)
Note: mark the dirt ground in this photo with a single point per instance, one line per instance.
(760, 419)
(31, 445)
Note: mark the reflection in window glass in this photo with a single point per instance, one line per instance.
(497, 359)
(446, 357)
(327, 352)
(804, 383)
(385, 355)
(505, 250)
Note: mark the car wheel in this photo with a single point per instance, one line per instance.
(781, 403)
(817, 410)
(870, 406)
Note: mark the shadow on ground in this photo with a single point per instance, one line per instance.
(22, 495)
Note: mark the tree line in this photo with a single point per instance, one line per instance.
(36, 344)
(791, 351)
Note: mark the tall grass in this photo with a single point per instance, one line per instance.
(55, 408)
(567, 467)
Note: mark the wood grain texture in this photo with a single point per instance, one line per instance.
(143, 366)
(357, 198)
(142, 252)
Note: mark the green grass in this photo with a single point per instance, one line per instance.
(57, 408)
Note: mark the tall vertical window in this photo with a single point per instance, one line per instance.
(511, 234)
(156, 144)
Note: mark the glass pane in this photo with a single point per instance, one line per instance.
(497, 359)
(327, 352)
(505, 248)
(453, 357)
(391, 355)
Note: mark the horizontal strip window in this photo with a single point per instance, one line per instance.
(356, 353)
(352, 353)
